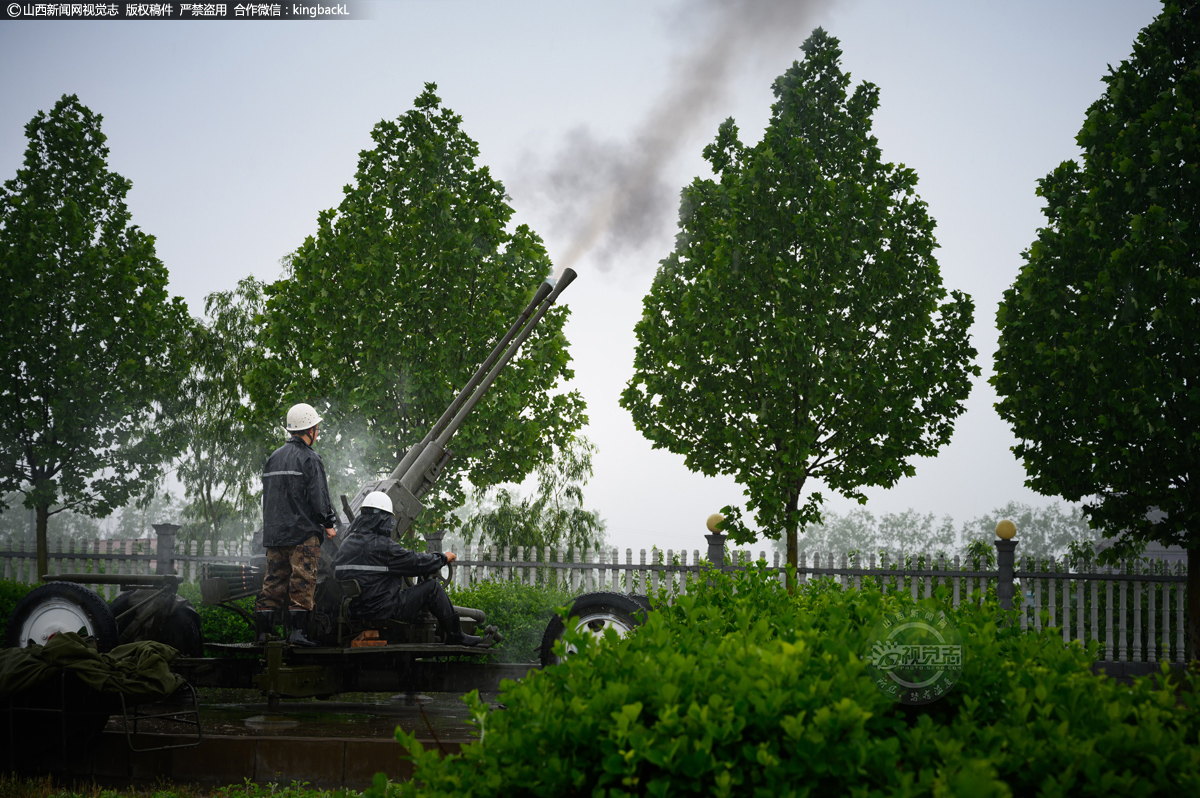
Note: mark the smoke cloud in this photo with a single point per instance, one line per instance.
(610, 198)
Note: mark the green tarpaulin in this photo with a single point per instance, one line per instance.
(139, 671)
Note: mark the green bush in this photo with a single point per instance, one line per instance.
(742, 689)
(220, 625)
(10, 593)
(521, 613)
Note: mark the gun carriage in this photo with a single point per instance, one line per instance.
(396, 656)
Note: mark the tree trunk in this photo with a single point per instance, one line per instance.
(43, 564)
(793, 544)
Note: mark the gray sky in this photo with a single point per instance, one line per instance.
(236, 135)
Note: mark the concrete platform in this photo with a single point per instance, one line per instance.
(326, 744)
(328, 763)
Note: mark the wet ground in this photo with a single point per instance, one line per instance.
(244, 713)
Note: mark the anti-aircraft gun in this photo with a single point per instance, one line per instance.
(154, 611)
(398, 657)
(406, 485)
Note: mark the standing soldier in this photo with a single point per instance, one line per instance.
(297, 517)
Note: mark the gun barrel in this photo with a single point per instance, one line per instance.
(543, 290)
(421, 464)
(566, 279)
(418, 478)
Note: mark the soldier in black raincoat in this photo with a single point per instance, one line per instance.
(297, 518)
(369, 556)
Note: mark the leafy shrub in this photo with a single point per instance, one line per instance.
(521, 612)
(220, 625)
(742, 689)
(10, 594)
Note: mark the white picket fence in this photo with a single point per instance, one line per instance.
(139, 556)
(1134, 612)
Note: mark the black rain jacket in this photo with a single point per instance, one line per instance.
(370, 557)
(296, 502)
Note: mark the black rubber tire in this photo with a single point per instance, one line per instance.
(69, 603)
(596, 609)
(178, 628)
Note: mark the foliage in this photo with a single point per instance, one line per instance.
(10, 594)
(1042, 531)
(981, 555)
(553, 516)
(742, 689)
(221, 469)
(798, 331)
(521, 612)
(1100, 334)
(387, 311)
(92, 344)
(220, 625)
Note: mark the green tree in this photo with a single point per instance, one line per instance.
(553, 516)
(386, 312)
(91, 341)
(798, 333)
(1042, 531)
(1098, 367)
(221, 468)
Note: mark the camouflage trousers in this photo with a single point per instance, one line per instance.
(291, 577)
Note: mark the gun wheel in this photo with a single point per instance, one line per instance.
(61, 607)
(592, 613)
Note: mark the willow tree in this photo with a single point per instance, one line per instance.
(800, 332)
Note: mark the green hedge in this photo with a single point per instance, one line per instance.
(521, 612)
(743, 689)
(220, 625)
(10, 593)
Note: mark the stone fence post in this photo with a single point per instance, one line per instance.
(165, 549)
(433, 540)
(1006, 557)
(716, 549)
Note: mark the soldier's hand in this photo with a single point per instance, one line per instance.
(330, 532)
(450, 556)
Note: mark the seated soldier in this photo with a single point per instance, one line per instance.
(369, 556)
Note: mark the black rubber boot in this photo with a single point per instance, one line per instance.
(461, 639)
(448, 621)
(264, 626)
(298, 622)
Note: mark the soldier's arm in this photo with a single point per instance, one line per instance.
(404, 562)
(318, 491)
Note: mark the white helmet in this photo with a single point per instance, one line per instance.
(302, 417)
(379, 500)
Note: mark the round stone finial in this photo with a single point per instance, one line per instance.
(713, 520)
(1006, 530)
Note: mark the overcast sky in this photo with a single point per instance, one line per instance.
(235, 135)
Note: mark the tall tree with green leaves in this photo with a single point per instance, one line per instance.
(1098, 367)
(800, 330)
(92, 342)
(221, 468)
(387, 311)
